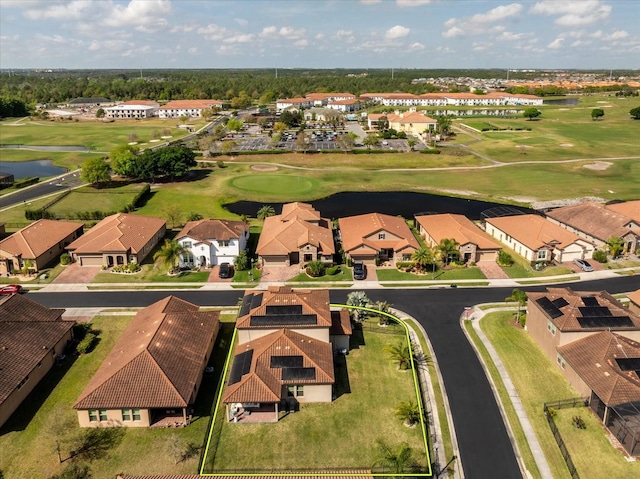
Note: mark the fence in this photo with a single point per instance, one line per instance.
(563, 404)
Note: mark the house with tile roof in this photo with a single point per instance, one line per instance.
(32, 337)
(152, 375)
(188, 108)
(473, 243)
(634, 301)
(376, 236)
(286, 340)
(296, 236)
(537, 239)
(118, 239)
(411, 122)
(211, 242)
(42, 242)
(597, 223)
(136, 109)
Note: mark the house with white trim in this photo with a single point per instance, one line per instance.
(188, 108)
(212, 242)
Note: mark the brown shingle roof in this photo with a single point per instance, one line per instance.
(594, 359)
(118, 233)
(295, 227)
(457, 227)
(634, 297)
(263, 383)
(203, 230)
(157, 361)
(340, 323)
(39, 237)
(28, 332)
(575, 299)
(630, 209)
(313, 302)
(533, 231)
(593, 219)
(354, 230)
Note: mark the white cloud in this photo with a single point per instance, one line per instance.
(303, 42)
(416, 46)
(240, 38)
(291, 33)
(192, 51)
(481, 22)
(412, 3)
(319, 36)
(143, 15)
(213, 32)
(269, 31)
(111, 46)
(573, 12)
(509, 36)
(74, 10)
(481, 46)
(557, 43)
(370, 2)
(241, 21)
(618, 34)
(397, 32)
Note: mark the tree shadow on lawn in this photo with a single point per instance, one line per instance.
(23, 415)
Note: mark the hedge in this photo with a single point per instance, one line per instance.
(430, 151)
(24, 182)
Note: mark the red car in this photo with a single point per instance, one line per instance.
(11, 289)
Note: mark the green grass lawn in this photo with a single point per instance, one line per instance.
(51, 271)
(392, 274)
(245, 277)
(521, 268)
(88, 198)
(345, 274)
(337, 435)
(271, 184)
(152, 273)
(526, 365)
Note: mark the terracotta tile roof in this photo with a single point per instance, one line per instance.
(294, 228)
(630, 209)
(140, 102)
(457, 227)
(39, 237)
(595, 360)
(575, 300)
(410, 117)
(340, 323)
(203, 230)
(29, 331)
(118, 233)
(356, 229)
(294, 100)
(263, 383)
(348, 101)
(533, 231)
(324, 96)
(313, 302)
(593, 219)
(190, 104)
(157, 360)
(634, 297)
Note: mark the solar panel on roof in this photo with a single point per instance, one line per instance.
(548, 307)
(241, 366)
(284, 309)
(590, 301)
(246, 305)
(560, 302)
(286, 361)
(284, 320)
(628, 364)
(294, 374)
(605, 322)
(256, 301)
(595, 311)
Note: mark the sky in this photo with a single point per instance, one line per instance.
(582, 34)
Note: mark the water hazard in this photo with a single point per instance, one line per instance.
(27, 169)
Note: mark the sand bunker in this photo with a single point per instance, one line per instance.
(264, 168)
(523, 146)
(566, 145)
(598, 165)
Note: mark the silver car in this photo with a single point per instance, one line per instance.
(583, 265)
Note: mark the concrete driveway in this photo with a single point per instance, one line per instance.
(74, 273)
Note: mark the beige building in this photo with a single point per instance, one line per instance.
(473, 243)
(153, 374)
(296, 236)
(284, 354)
(41, 242)
(376, 236)
(31, 338)
(117, 240)
(411, 122)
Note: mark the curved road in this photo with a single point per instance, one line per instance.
(484, 445)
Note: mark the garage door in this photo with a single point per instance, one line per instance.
(90, 260)
(487, 255)
(275, 260)
(571, 255)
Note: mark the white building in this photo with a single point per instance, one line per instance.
(188, 108)
(131, 111)
(211, 242)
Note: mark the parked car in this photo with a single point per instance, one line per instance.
(11, 289)
(226, 271)
(359, 270)
(583, 265)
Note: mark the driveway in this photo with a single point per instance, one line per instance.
(491, 270)
(74, 273)
(279, 274)
(214, 278)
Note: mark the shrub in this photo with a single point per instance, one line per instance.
(599, 256)
(333, 270)
(220, 164)
(552, 412)
(504, 258)
(86, 344)
(133, 267)
(404, 264)
(578, 422)
(80, 330)
(241, 262)
(430, 151)
(65, 259)
(315, 269)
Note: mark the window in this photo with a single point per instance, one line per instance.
(136, 414)
(299, 391)
(542, 254)
(103, 414)
(290, 391)
(126, 414)
(381, 236)
(93, 415)
(223, 243)
(560, 361)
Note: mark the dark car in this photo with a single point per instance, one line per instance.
(11, 289)
(226, 271)
(359, 270)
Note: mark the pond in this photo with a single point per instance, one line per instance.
(403, 203)
(561, 101)
(26, 169)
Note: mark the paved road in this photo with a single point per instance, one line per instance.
(46, 187)
(485, 448)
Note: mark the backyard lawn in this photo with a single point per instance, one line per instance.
(341, 435)
(392, 274)
(521, 268)
(87, 198)
(526, 365)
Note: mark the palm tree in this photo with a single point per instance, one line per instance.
(360, 300)
(399, 353)
(265, 211)
(169, 254)
(448, 249)
(383, 307)
(519, 296)
(616, 246)
(422, 257)
(398, 460)
(408, 412)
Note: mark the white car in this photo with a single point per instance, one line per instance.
(583, 265)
